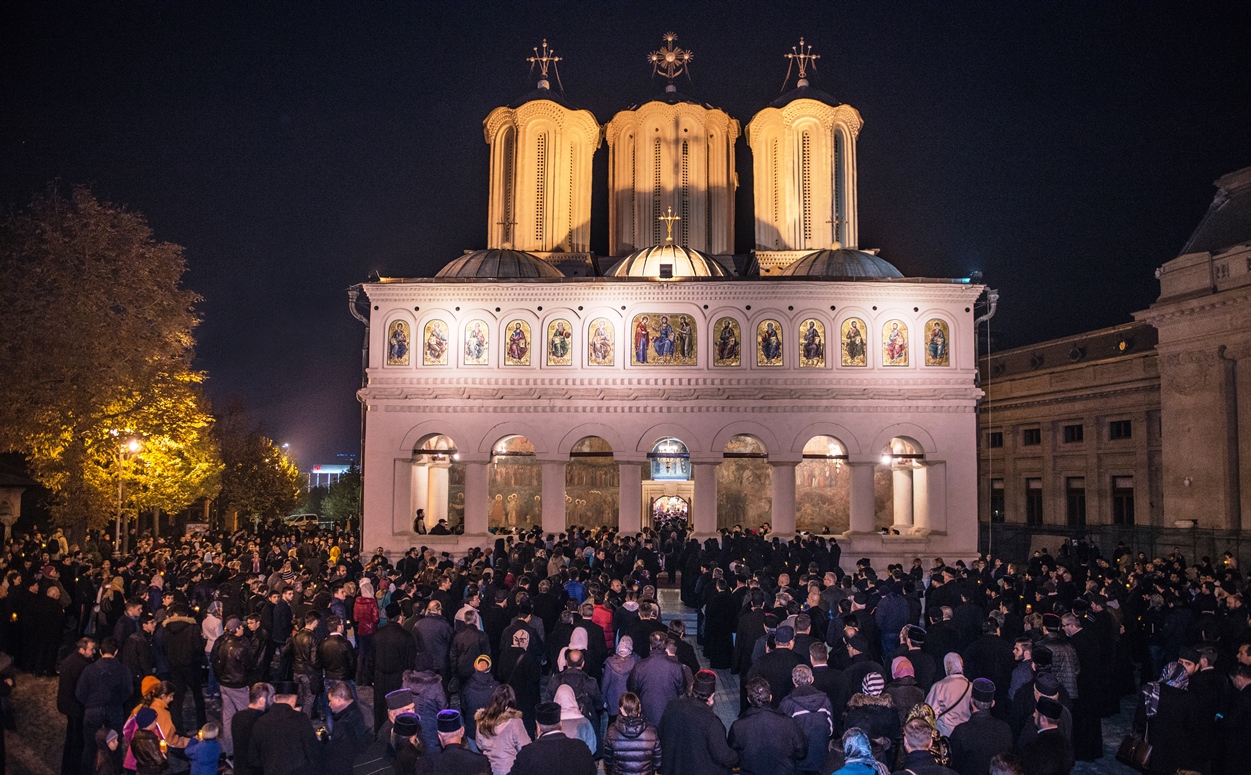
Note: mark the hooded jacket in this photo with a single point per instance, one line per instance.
(616, 675)
(631, 747)
(180, 639)
(501, 745)
(810, 709)
(952, 697)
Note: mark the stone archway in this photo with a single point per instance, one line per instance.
(438, 484)
(823, 487)
(900, 487)
(592, 484)
(514, 485)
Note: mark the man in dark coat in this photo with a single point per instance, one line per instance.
(137, 652)
(260, 697)
(990, 657)
(179, 638)
(394, 652)
(776, 666)
(751, 625)
(434, 636)
(830, 681)
(983, 737)
(1236, 724)
(467, 645)
(68, 705)
(692, 736)
(552, 751)
(811, 710)
(659, 679)
(349, 736)
(1087, 704)
(453, 757)
(719, 627)
(102, 689)
(1048, 753)
(767, 741)
(918, 736)
(924, 668)
(283, 742)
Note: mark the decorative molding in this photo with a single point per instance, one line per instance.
(674, 408)
(1187, 373)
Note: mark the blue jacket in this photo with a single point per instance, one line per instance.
(203, 755)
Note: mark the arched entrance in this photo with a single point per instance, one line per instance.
(899, 486)
(823, 487)
(744, 484)
(671, 512)
(514, 485)
(438, 484)
(592, 485)
(668, 476)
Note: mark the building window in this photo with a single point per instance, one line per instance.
(1033, 502)
(1031, 437)
(996, 501)
(1120, 429)
(1075, 495)
(1122, 500)
(1073, 434)
(994, 439)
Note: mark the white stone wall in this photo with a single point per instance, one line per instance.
(704, 405)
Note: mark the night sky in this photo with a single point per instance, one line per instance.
(1063, 149)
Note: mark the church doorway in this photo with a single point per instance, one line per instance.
(670, 513)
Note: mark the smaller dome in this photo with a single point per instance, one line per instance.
(804, 92)
(499, 263)
(682, 262)
(841, 262)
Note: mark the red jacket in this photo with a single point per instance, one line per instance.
(365, 611)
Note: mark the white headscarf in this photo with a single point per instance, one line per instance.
(578, 640)
(568, 703)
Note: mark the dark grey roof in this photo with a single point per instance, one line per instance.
(501, 263)
(841, 262)
(1228, 221)
(804, 93)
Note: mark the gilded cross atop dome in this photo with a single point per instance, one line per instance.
(544, 61)
(802, 57)
(671, 61)
(669, 218)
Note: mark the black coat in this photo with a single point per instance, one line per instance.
(348, 741)
(467, 645)
(241, 725)
(71, 670)
(692, 740)
(768, 742)
(631, 747)
(978, 740)
(394, 652)
(456, 760)
(1172, 732)
(775, 667)
(474, 696)
(719, 630)
(338, 659)
(554, 753)
(924, 668)
(1236, 726)
(922, 763)
(283, 742)
(1050, 754)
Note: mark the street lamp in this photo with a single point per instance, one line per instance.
(132, 446)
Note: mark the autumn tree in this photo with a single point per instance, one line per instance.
(259, 479)
(343, 499)
(96, 341)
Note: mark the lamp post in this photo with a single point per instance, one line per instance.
(132, 446)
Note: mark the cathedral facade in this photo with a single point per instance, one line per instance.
(808, 386)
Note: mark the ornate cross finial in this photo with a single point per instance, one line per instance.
(508, 232)
(669, 218)
(803, 57)
(834, 222)
(547, 59)
(671, 61)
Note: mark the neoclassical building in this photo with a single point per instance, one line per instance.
(808, 385)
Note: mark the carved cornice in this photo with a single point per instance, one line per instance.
(670, 407)
(1167, 311)
(571, 121)
(714, 118)
(1069, 398)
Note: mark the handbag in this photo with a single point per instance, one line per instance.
(1135, 751)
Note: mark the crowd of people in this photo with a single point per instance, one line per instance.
(543, 655)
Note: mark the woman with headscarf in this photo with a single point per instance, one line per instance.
(519, 669)
(903, 689)
(572, 722)
(1170, 720)
(858, 756)
(577, 640)
(874, 712)
(501, 733)
(952, 697)
(617, 674)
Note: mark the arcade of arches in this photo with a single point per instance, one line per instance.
(591, 488)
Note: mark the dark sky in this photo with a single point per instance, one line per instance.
(1063, 149)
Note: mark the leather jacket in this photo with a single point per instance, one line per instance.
(307, 656)
(232, 657)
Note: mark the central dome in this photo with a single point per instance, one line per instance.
(680, 262)
(841, 262)
(499, 263)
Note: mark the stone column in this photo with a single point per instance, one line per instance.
(862, 505)
(705, 505)
(421, 494)
(921, 497)
(554, 496)
(901, 481)
(402, 497)
(436, 492)
(630, 496)
(935, 497)
(475, 496)
(783, 516)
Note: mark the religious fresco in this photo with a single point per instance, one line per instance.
(600, 345)
(517, 343)
(559, 343)
(937, 343)
(855, 350)
(434, 344)
(592, 485)
(744, 485)
(397, 343)
(727, 343)
(823, 487)
(514, 485)
(662, 340)
(895, 343)
(769, 343)
(476, 343)
(455, 495)
(812, 344)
